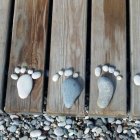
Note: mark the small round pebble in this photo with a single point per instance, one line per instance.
(23, 70)
(137, 80)
(119, 129)
(59, 131)
(35, 133)
(98, 71)
(116, 73)
(105, 68)
(125, 131)
(17, 70)
(12, 129)
(68, 72)
(87, 130)
(68, 126)
(14, 76)
(36, 75)
(110, 120)
(30, 71)
(61, 124)
(55, 77)
(75, 75)
(111, 69)
(133, 131)
(118, 122)
(46, 128)
(68, 121)
(42, 138)
(119, 77)
(61, 72)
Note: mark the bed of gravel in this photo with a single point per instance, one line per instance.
(44, 127)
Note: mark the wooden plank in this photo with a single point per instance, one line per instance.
(5, 6)
(68, 49)
(28, 49)
(135, 49)
(108, 46)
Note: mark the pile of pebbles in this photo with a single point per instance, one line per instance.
(44, 127)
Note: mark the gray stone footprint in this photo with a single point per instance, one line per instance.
(71, 87)
(106, 84)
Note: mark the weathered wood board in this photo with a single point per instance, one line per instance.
(28, 49)
(5, 6)
(135, 53)
(108, 46)
(68, 49)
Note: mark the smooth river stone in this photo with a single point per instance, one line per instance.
(98, 71)
(35, 133)
(36, 75)
(106, 90)
(71, 89)
(24, 86)
(137, 80)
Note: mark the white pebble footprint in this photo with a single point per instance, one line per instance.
(25, 81)
(106, 84)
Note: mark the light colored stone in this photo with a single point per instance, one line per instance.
(118, 122)
(62, 118)
(24, 85)
(36, 75)
(133, 131)
(55, 77)
(23, 138)
(137, 80)
(23, 70)
(17, 70)
(87, 130)
(68, 72)
(61, 124)
(59, 131)
(35, 133)
(42, 138)
(46, 128)
(105, 68)
(68, 126)
(30, 71)
(69, 121)
(13, 116)
(2, 127)
(98, 71)
(99, 130)
(125, 131)
(111, 120)
(137, 122)
(61, 72)
(116, 73)
(12, 128)
(71, 89)
(111, 69)
(119, 129)
(75, 75)
(106, 91)
(119, 77)
(14, 76)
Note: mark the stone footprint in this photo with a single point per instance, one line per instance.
(71, 87)
(106, 84)
(25, 79)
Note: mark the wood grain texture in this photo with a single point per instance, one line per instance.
(28, 49)
(108, 46)
(135, 53)
(5, 6)
(68, 49)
